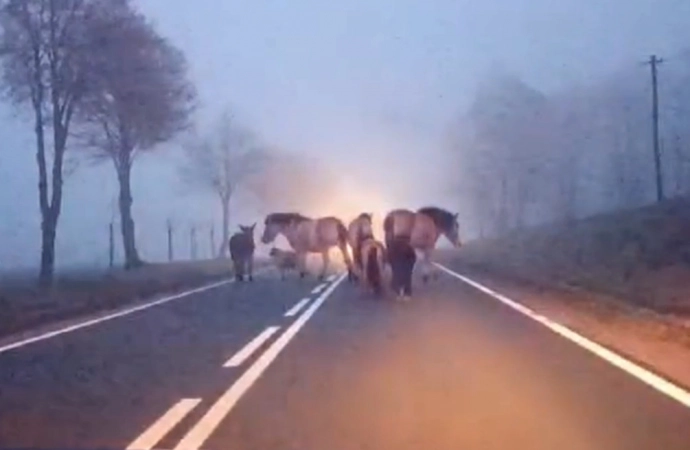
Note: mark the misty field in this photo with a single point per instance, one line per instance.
(23, 305)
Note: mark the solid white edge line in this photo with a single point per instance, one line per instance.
(247, 351)
(152, 435)
(318, 288)
(111, 316)
(298, 307)
(332, 277)
(657, 382)
(220, 409)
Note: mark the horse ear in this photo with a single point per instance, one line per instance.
(253, 226)
(456, 215)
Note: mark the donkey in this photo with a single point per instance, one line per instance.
(242, 252)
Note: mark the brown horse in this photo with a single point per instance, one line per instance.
(373, 255)
(306, 235)
(423, 228)
(359, 230)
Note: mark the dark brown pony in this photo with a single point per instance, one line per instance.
(373, 255)
(357, 231)
(306, 235)
(423, 229)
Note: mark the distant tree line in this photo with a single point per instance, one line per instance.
(527, 157)
(98, 81)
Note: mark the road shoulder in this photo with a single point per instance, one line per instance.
(661, 343)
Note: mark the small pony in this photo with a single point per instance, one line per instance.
(357, 231)
(284, 260)
(373, 255)
(242, 252)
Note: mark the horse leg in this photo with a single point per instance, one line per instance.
(302, 263)
(325, 257)
(237, 267)
(351, 276)
(426, 265)
(250, 268)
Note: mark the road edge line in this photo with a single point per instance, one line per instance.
(110, 316)
(654, 380)
(203, 429)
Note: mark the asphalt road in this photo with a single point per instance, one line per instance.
(453, 369)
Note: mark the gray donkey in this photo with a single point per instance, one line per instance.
(242, 252)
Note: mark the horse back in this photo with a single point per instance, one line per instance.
(399, 222)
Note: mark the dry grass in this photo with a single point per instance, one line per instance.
(640, 256)
(24, 306)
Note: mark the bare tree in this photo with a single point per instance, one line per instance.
(43, 54)
(139, 96)
(220, 162)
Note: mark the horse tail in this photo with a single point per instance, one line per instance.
(373, 270)
(342, 235)
(388, 229)
(343, 239)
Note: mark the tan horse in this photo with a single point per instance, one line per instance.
(373, 255)
(306, 235)
(423, 229)
(359, 230)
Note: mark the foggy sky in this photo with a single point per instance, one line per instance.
(366, 85)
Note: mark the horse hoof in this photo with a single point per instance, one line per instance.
(251, 278)
(302, 275)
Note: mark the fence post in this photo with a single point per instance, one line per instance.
(170, 241)
(111, 245)
(193, 242)
(213, 241)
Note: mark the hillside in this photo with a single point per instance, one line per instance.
(641, 256)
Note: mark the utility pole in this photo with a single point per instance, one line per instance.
(653, 62)
(170, 240)
(111, 245)
(213, 241)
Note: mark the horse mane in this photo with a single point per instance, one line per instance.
(442, 218)
(286, 218)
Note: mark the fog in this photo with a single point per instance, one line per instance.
(377, 94)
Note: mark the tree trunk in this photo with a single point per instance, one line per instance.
(48, 231)
(225, 208)
(48, 225)
(132, 259)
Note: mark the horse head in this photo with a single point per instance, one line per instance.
(276, 223)
(271, 230)
(445, 221)
(453, 232)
